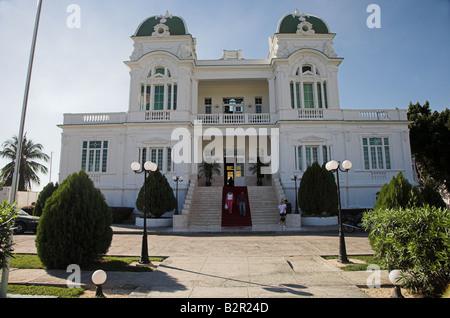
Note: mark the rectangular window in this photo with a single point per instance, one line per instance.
(157, 157)
(233, 105)
(325, 154)
(169, 97)
(325, 95)
(312, 155)
(258, 105)
(159, 97)
(94, 157)
(147, 98)
(175, 96)
(319, 95)
(208, 104)
(297, 89)
(292, 96)
(169, 159)
(142, 97)
(300, 158)
(376, 153)
(308, 95)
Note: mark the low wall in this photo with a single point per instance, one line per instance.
(319, 221)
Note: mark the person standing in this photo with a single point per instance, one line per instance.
(230, 199)
(242, 199)
(282, 208)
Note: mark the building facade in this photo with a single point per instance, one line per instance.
(284, 110)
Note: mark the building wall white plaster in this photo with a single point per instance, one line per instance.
(295, 89)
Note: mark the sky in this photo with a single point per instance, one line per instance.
(78, 68)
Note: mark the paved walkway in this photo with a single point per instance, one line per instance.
(238, 263)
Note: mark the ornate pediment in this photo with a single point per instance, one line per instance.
(312, 140)
(156, 141)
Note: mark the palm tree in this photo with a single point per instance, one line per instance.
(208, 169)
(28, 167)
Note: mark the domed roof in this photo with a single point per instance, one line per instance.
(175, 24)
(290, 23)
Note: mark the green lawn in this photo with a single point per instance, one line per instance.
(106, 263)
(367, 259)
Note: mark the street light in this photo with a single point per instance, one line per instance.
(136, 167)
(99, 278)
(395, 277)
(295, 178)
(177, 179)
(334, 166)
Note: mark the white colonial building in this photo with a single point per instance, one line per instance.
(290, 99)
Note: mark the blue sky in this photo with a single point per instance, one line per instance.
(81, 70)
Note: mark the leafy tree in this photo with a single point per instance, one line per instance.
(75, 226)
(318, 191)
(42, 198)
(7, 216)
(416, 241)
(159, 195)
(28, 167)
(255, 168)
(398, 193)
(430, 139)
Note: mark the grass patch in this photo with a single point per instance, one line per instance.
(367, 259)
(61, 292)
(106, 263)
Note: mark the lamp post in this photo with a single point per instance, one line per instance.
(177, 179)
(295, 178)
(334, 166)
(99, 278)
(136, 167)
(15, 179)
(395, 277)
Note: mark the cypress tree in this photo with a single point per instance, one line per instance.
(75, 226)
(42, 198)
(159, 195)
(317, 192)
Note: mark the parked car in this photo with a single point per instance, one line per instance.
(25, 222)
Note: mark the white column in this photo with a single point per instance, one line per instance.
(194, 96)
(272, 100)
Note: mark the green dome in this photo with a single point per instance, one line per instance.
(290, 22)
(176, 25)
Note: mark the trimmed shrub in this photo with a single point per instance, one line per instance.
(75, 226)
(160, 197)
(42, 198)
(318, 191)
(120, 214)
(416, 241)
(398, 193)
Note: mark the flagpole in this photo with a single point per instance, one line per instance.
(14, 185)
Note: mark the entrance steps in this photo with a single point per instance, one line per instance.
(264, 205)
(206, 206)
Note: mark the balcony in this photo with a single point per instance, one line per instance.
(166, 116)
(234, 119)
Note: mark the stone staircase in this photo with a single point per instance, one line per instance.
(264, 205)
(206, 207)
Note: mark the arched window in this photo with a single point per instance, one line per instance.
(159, 91)
(308, 89)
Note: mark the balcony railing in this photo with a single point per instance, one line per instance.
(234, 119)
(312, 114)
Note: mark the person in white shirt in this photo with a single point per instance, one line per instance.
(282, 208)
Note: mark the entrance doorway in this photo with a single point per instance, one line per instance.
(234, 172)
